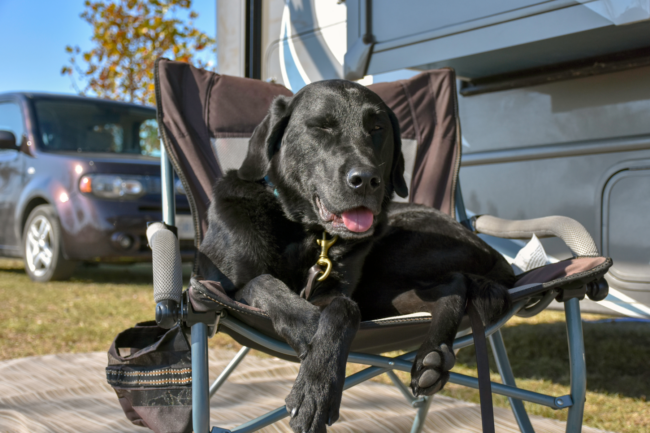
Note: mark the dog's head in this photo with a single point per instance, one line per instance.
(334, 153)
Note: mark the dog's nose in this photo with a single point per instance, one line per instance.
(364, 179)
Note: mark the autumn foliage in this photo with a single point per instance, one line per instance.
(128, 37)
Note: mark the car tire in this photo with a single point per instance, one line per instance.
(42, 249)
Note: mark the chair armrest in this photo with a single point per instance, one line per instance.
(574, 235)
(167, 273)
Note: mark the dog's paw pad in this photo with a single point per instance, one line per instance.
(444, 359)
(449, 357)
(428, 378)
(432, 360)
(431, 370)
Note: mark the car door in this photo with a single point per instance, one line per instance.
(11, 177)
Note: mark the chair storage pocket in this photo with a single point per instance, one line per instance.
(153, 380)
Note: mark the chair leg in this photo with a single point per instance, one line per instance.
(421, 415)
(577, 365)
(508, 378)
(200, 399)
(422, 403)
(406, 392)
(228, 370)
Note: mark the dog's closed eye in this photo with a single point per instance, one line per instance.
(323, 124)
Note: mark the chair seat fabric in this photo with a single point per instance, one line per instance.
(392, 333)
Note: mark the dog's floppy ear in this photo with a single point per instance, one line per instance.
(397, 169)
(266, 140)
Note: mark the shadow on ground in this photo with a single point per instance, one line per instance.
(617, 355)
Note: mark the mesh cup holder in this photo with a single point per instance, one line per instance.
(150, 369)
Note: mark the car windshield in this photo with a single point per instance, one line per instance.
(96, 126)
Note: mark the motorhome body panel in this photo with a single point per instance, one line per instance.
(575, 148)
(480, 39)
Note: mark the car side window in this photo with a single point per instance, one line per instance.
(11, 119)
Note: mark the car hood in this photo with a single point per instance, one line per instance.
(115, 163)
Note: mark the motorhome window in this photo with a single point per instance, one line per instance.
(92, 126)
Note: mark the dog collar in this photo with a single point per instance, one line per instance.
(269, 183)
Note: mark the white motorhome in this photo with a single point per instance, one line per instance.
(554, 98)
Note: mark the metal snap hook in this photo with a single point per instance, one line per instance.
(323, 260)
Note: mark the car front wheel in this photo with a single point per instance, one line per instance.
(42, 250)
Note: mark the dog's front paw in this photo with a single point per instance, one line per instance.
(430, 370)
(315, 398)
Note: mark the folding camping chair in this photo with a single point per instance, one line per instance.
(205, 120)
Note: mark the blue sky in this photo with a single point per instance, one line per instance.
(34, 33)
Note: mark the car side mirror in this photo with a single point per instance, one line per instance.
(7, 140)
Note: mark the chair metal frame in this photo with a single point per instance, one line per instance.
(202, 392)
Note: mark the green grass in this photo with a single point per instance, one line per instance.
(85, 313)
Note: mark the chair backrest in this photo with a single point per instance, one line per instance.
(206, 119)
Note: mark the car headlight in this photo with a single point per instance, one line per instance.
(113, 186)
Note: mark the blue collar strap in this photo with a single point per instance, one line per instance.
(269, 183)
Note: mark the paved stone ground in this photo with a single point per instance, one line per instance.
(69, 393)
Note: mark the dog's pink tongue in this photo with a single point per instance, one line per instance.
(358, 220)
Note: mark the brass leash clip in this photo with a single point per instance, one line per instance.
(323, 260)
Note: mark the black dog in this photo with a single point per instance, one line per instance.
(329, 159)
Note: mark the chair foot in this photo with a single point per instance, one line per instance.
(421, 415)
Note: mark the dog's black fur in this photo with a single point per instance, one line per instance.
(262, 235)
